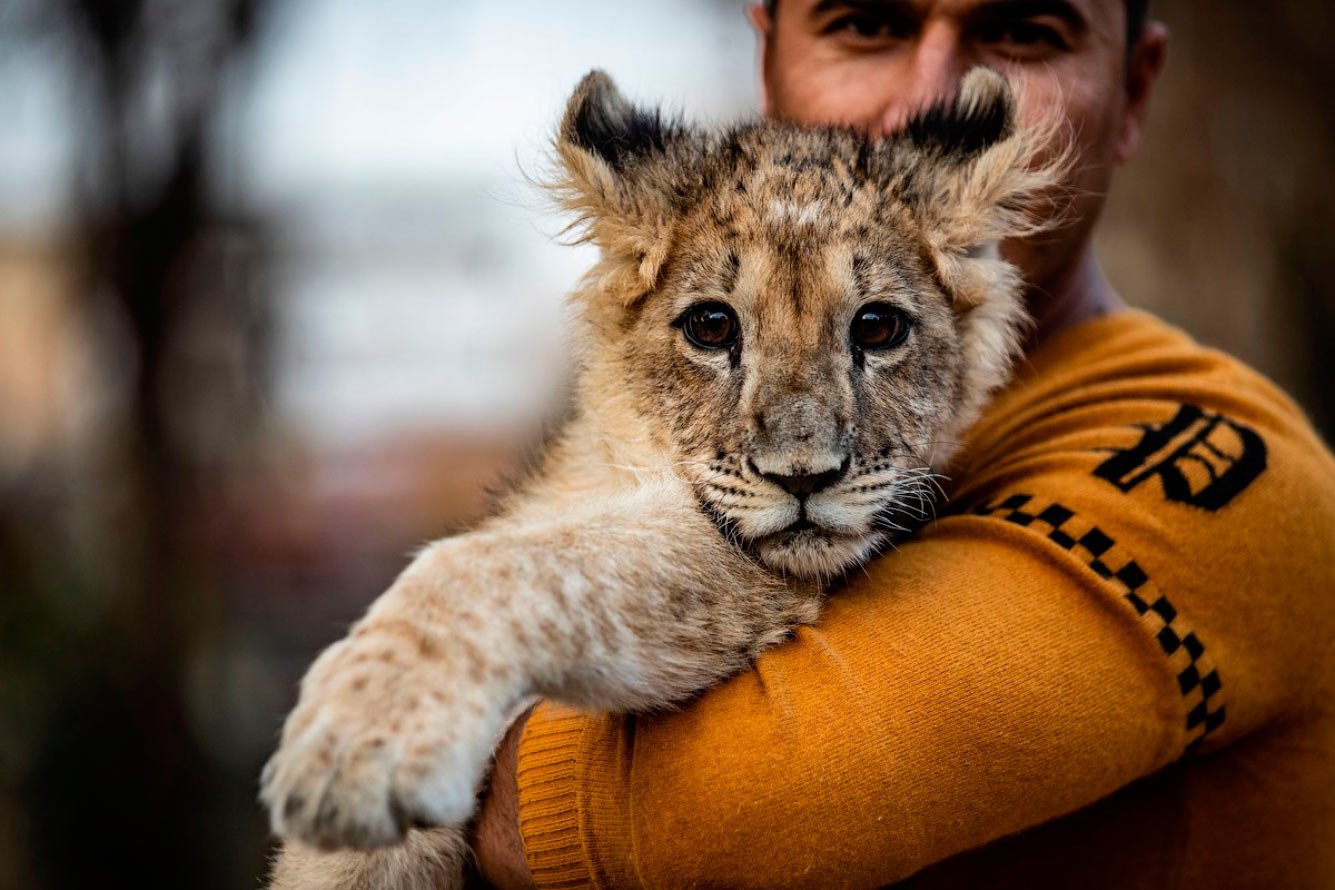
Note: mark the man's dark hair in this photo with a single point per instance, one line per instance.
(1136, 10)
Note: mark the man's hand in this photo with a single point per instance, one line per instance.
(497, 844)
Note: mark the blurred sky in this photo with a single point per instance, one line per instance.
(419, 282)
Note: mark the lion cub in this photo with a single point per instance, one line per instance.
(786, 331)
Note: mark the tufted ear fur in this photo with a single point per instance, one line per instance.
(617, 177)
(972, 177)
(976, 178)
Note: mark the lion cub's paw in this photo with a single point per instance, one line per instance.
(377, 746)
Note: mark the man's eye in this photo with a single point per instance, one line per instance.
(864, 28)
(1024, 37)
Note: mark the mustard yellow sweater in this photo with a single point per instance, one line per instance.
(1109, 664)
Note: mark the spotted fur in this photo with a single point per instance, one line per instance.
(701, 500)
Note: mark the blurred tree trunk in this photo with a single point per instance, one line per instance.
(122, 788)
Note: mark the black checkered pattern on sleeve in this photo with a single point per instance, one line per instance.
(1197, 676)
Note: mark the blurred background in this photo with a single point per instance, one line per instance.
(277, 304)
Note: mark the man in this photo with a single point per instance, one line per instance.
(1108, 666)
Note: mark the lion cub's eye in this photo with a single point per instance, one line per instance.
(879, 326)
(709, 325)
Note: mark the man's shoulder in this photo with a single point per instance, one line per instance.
(1131, 385)
(1131, 418)
(1174, 468)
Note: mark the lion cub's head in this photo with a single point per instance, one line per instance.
(801, 322)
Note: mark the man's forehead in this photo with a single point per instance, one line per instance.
(1088, 10)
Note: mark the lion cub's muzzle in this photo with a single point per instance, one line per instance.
(798, 444)
(803, 476)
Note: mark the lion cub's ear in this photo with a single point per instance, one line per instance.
(616, 178)
(974, 177)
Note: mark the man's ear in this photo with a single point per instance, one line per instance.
(616, 179)
(1144, 63)
(973, 178)
(762, 20)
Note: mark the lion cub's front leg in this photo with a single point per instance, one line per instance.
(630, 602)
(432, 859)
(396, 723)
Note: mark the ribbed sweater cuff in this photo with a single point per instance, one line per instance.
(548, 801)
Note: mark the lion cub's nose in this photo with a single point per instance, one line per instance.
(805, 484)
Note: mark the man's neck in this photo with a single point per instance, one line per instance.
(1078, 294)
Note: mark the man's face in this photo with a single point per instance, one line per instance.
(870, 63)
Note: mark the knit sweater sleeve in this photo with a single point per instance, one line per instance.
(1070, 627)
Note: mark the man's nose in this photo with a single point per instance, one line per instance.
(934, 70)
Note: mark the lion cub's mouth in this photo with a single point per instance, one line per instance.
(805, 530)
(808, 550)
(809, 546)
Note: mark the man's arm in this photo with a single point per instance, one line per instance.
(942, 702)
(497, 843)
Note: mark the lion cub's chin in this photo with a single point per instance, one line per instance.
(815, 554)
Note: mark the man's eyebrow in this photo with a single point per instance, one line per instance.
(1067, 12)
(901, 6)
